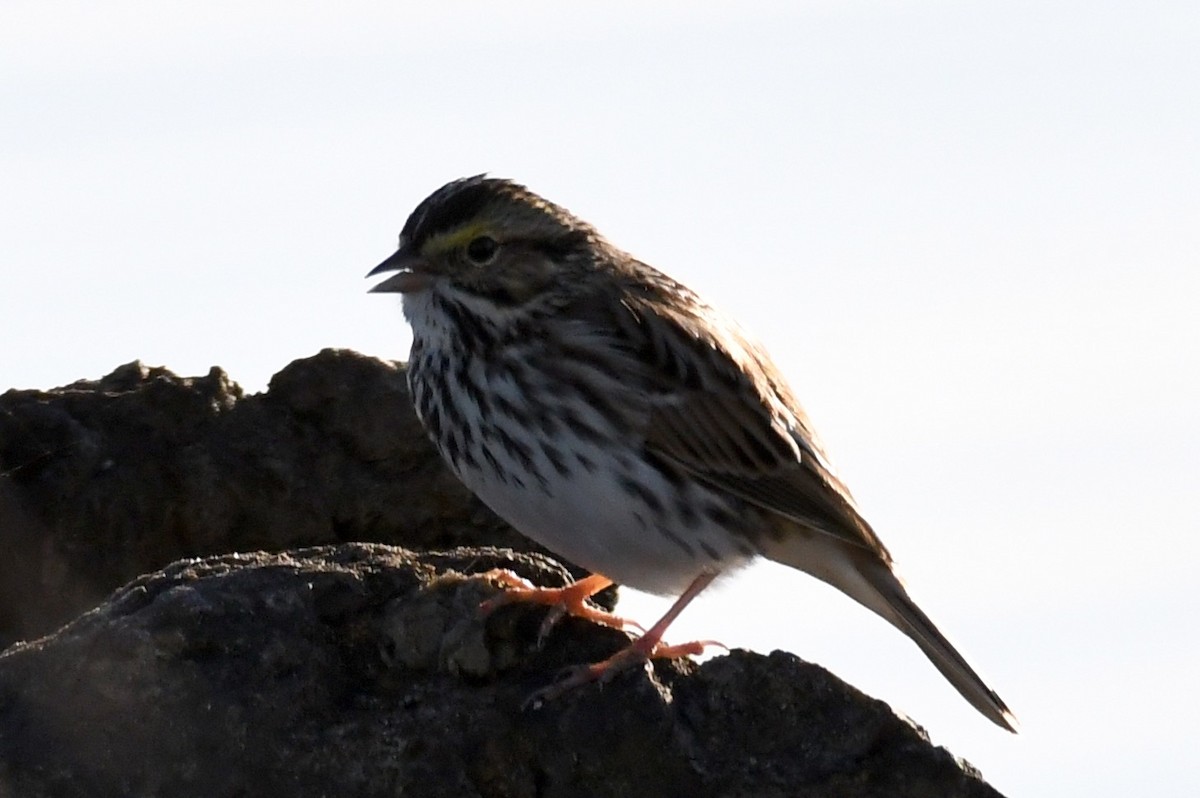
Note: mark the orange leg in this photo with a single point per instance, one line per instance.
(569, 600)
(648, 646)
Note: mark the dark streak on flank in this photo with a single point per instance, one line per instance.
(556, 459)
(431, 417)
(521, 452)
(671, 535)
(453, 414)
(505, 406)
(687, 513)
(475, 393)
(721, 515)
(450, 448)
(494, 463)
(583, 430)
(640, 492)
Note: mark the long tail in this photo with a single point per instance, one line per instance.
(870, 581)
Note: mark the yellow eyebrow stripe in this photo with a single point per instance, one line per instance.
(452, 239)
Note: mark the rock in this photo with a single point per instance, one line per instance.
(365, 670)
(101, 481)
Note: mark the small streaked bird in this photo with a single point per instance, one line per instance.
(611, 414)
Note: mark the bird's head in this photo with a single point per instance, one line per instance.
(487, 240)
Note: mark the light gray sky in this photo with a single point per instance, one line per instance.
(969, 233)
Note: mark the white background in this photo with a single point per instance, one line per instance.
(969, 233)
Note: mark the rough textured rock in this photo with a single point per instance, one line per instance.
(101, 481)
(365, 670)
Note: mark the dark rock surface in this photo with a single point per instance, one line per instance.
(101, 481)
(352, 668)
(365, 670)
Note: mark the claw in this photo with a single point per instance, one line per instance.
(564, 681)
(556, 614)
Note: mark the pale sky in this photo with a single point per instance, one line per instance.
(969, 233)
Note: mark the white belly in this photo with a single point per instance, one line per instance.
(595, 520)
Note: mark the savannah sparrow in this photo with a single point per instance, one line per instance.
(609, 413)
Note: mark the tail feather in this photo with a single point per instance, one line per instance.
(870, 581)
(906, 616)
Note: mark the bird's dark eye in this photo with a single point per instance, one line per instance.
(481, 250)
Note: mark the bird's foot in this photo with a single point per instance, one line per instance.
(563, 601)
(640, 651)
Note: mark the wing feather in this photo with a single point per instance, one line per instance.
(720, 410)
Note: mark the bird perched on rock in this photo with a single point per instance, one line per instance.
(611, 414)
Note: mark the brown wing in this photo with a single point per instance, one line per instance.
(721, 411)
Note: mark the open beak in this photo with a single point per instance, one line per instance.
(412, 274)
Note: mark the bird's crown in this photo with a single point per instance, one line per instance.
(471, 208)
